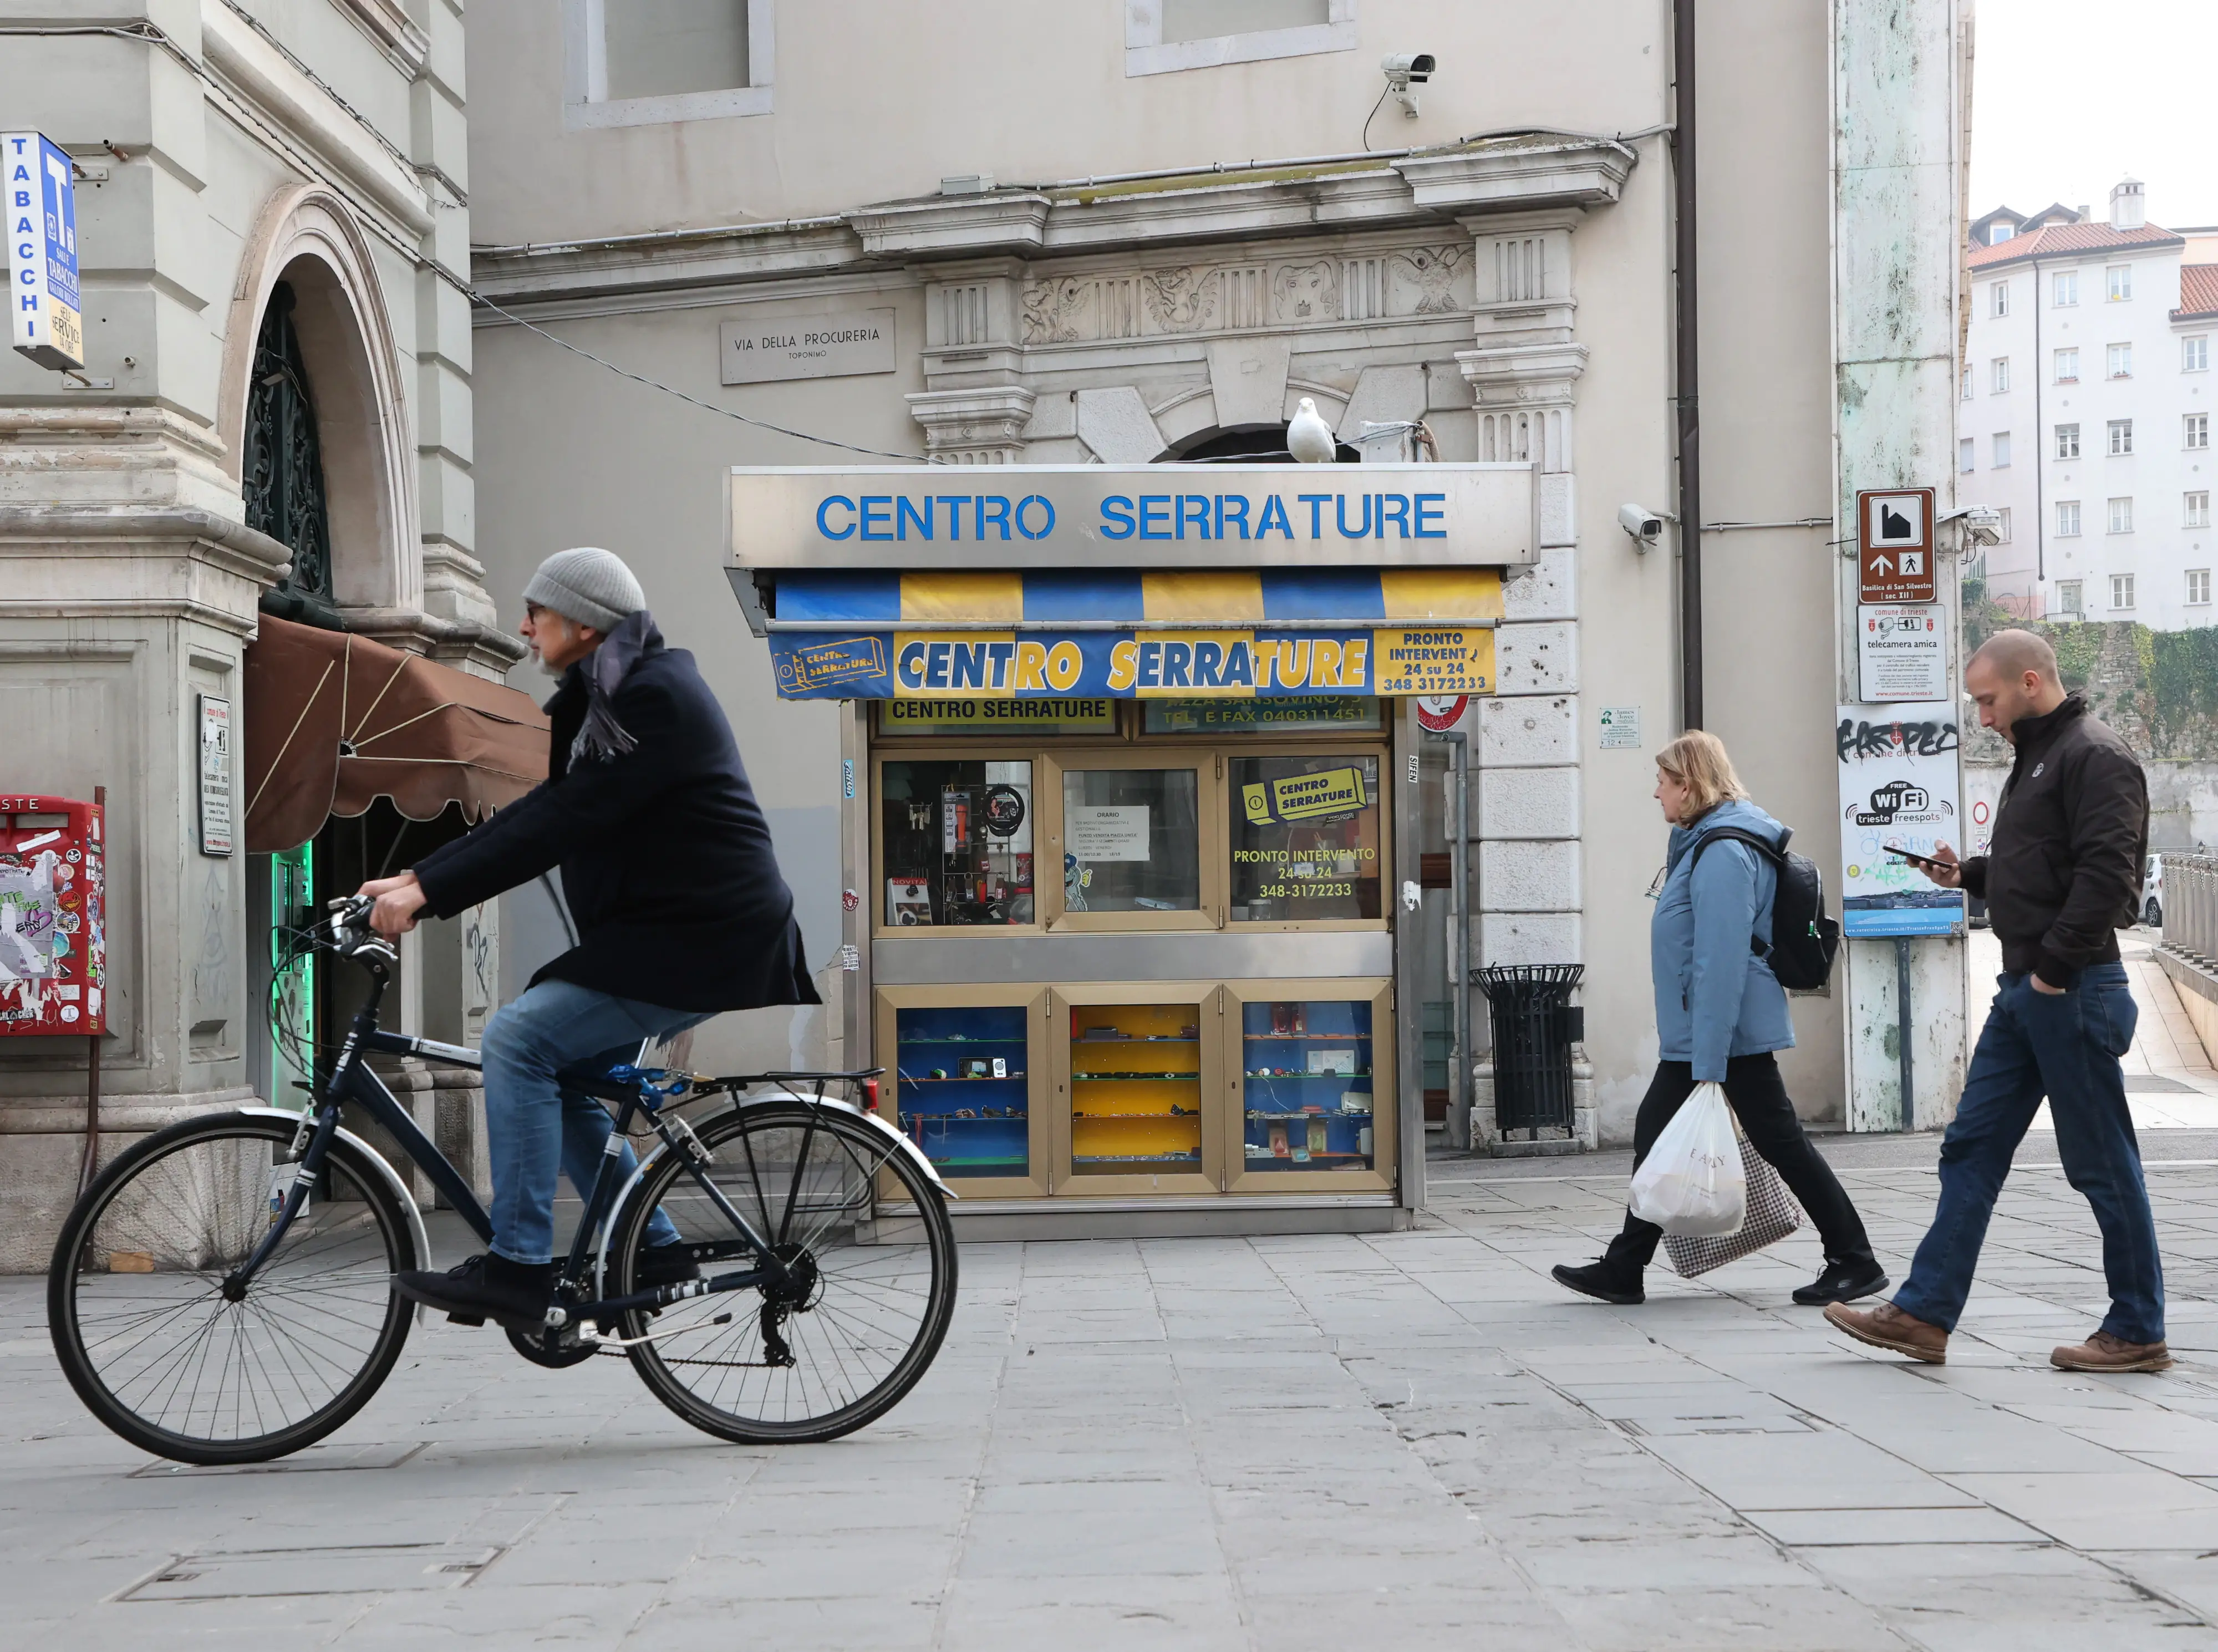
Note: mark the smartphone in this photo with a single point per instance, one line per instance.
(1919, 859)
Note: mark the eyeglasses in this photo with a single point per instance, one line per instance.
(1655, 883)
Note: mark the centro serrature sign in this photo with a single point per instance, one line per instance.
(1133, 516)
(808, 346)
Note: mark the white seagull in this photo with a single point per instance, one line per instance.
(1309, 439)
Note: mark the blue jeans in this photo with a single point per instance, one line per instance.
(532, 1128)
(2065, 1046)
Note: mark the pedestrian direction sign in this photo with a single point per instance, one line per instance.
(1894, 544)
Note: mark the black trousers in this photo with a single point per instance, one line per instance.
(1760, 1102)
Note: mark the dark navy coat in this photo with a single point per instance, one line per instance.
(666, 857)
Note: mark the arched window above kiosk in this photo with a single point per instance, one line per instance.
(282, 478)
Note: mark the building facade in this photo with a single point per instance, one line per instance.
(1126, 235)
(274, 418)
(2086, 412)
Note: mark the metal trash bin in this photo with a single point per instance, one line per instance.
(1535, 1024)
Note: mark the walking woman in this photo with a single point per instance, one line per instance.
(1719, 1016)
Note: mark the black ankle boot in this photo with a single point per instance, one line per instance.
(1601, 1280)
(513, 1295)
(1843, 1282)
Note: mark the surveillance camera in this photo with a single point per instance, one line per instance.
(1983, 523)
(1404, 70)
(1645, 526)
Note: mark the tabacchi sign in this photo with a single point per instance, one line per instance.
(43, 307)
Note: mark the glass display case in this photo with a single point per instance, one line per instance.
(1307, 1100)
(962, 1090)
(957, 841)
(1131, 841)
(1306, 845)
(964, 1080)
(1136, 1089)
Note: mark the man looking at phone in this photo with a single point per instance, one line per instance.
(2062, 877)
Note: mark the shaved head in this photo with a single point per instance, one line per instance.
(2012, 654)
(2013, 677)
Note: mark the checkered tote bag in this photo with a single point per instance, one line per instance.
(1772, 1216)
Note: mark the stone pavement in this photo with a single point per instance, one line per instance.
(1412, 1440)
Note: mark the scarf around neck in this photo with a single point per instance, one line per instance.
(604, 671)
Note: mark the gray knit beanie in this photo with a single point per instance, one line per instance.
(589, 585)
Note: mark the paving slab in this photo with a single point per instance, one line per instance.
(1273, 1444)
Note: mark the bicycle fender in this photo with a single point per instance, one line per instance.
(392, 1180)
(916, 1154)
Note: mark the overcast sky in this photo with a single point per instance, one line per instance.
(2070, 95)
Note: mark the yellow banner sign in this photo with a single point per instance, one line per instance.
(1432, 660)
(1304, 796)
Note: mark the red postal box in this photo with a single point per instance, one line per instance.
(53, 930)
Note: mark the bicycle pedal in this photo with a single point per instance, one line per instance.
(473, 1320)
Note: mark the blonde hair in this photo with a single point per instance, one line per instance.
(1697, 760)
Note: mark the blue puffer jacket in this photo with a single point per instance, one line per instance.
(1714, 997)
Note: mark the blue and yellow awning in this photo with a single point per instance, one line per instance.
(1243, 633)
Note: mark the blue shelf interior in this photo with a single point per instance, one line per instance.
(1279, 1087)
(967, 1126)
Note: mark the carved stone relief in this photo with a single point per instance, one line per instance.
(1232, 297)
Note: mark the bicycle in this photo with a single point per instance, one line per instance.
(223, 1292)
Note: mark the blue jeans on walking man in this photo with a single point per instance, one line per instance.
(533, 1129)
(2065, 1046)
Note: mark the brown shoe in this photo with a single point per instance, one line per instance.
(1887, 1326)
(2104, 1352)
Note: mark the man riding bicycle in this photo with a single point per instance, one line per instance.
(680, 911)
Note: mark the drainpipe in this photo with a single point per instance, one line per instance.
(1688, 400)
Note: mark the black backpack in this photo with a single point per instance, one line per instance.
(1804, 939)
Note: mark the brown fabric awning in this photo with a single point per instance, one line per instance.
(334, 721)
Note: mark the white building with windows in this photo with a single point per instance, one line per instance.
(1147, 232)
(2085, 409)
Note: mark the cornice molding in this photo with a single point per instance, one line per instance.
(391, 27)
(1562, 176)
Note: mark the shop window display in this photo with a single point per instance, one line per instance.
(1306, 838)
(1308, 1095)
(961, 1088)
(1131, 840)
(957, 843)
(1135, 1088)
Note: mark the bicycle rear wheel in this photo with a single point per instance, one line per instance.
(158, 1351)
(871, 1252)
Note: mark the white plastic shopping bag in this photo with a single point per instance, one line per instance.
(1692, 1182)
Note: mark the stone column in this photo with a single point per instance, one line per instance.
(974, 409)
(1524, 758)
(116, 613)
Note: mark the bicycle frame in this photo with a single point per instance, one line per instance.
(353, 1080)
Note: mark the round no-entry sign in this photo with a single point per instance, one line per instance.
(1438, 713)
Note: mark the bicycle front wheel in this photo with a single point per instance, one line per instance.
(869, 1256)
(162, 1354)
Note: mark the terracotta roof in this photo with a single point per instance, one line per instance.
(2198, 291)
(2058, 239)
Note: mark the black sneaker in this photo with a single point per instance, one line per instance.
(1599, 1280)
(1843, 1282)
(665, 1265)
(512, 1294)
